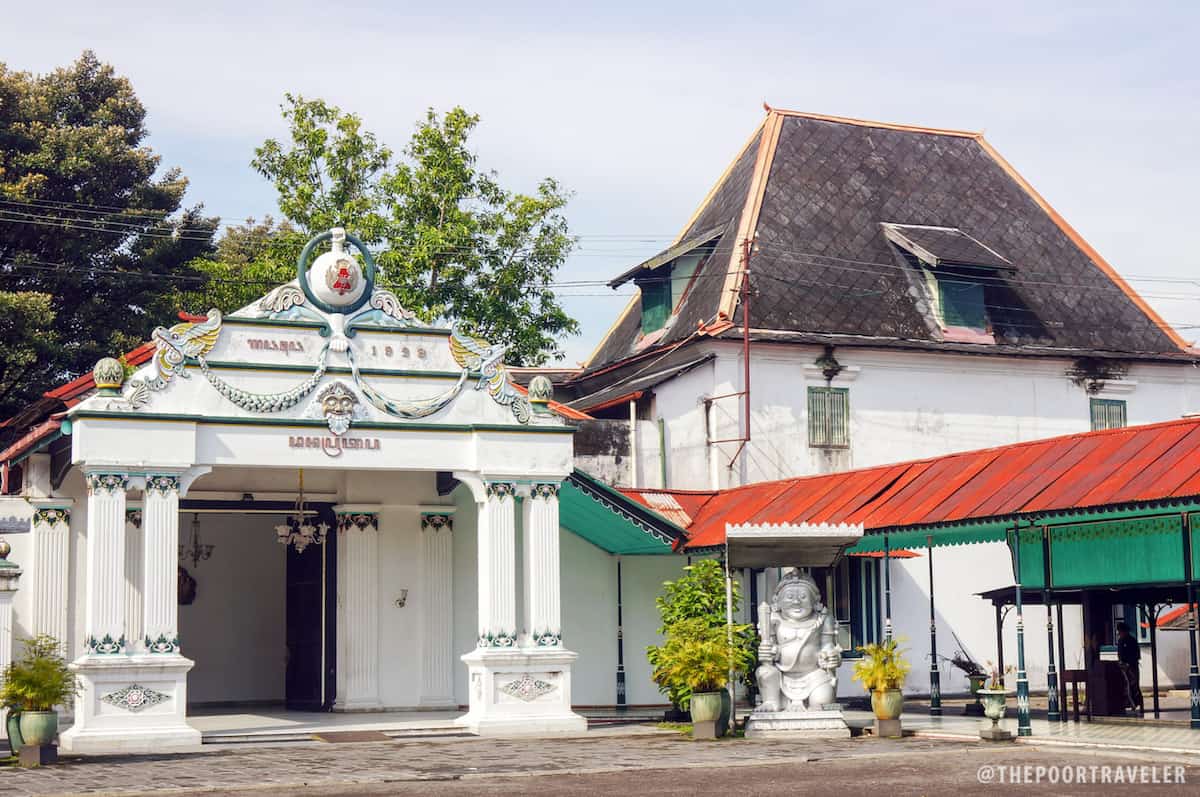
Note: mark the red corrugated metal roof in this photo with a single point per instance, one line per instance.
(1091, 469)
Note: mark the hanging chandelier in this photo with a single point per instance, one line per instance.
(194, 550)
(297, 531)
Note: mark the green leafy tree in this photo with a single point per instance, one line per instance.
(27, 329)
(250, 259)
(451, 241)
(88, 219)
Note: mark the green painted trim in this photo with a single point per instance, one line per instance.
(230, 321)
(287, 323)
(226, 365)
(993, 529)
(42, 444)
(304, 423)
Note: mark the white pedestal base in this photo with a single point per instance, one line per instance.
(824, 724)
(520, 692)
(131, 704)
(352, 706)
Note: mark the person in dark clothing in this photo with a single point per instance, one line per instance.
(1129, 654)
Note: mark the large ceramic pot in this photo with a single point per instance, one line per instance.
(13, 726)
(706, 706)
(39, 727)
(887, 704)
(993, 704)
(726, 713)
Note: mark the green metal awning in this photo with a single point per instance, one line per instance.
(612, 521)
(872, 542)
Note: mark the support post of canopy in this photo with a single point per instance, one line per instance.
(1053, 713)
(1062, 662)
(1150, 612)
(1000, 642)
(887, 588)
(621, 699)
(935, 678)
(1023, 726)
(1193, 669)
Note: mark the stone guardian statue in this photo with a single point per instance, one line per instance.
(798, 659)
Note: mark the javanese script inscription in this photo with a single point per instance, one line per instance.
(333, 446)
(283, 345)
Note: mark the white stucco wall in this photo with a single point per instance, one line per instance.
(909, 405)
(903, 405)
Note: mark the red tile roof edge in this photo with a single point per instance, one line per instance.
(703, 531)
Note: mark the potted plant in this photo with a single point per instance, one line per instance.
(34, 684)
(882, 670)
(994, 694)
(975, 676)
(699, 595)
(694, 664)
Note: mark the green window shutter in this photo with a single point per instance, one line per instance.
(828, 417)
(1108, 414)
(656, 301)
(961, 302)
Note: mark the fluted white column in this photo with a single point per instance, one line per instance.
(104, 615)
(543, 614)
(437, 607)
(497, 567)
(133, 574)
(160, 564)
(10, 574)
(358, 608)
(51, 560)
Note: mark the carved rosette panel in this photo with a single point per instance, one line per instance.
(51, 517)
(547, 639)
(358, 520)
(106, 482)
(436, 521)
(527, 688)
(135, 698)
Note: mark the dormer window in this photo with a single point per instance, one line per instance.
(664, 280)
(966, 282)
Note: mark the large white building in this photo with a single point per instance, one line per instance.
(907, 294)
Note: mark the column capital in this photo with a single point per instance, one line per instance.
(106, 481)
(161, 483)
(500, 489)
(544, 490)
(51, 516)
(357, 520)
(437, 520)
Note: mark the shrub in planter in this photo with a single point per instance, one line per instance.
(694, 662)
(699, 595)
(34, 684)
(882, 670)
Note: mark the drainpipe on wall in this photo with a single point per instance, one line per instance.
(714, 453)
(633, 451)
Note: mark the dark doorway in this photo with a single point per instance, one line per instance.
(311, 618)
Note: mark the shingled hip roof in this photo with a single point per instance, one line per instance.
(1117, 467)
(813, 193)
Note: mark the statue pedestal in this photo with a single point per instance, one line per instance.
(823, 724)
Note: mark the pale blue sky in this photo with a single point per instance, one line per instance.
(637, 107)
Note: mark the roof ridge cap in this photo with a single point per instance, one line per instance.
(849, 120)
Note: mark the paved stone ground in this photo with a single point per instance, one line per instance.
(625, 763)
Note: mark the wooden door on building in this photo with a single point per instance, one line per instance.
(311, 618)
